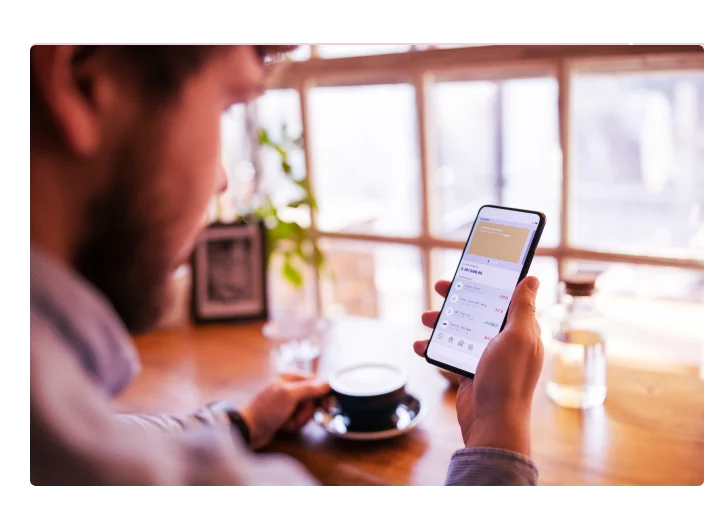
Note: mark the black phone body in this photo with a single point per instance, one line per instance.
(496, 257)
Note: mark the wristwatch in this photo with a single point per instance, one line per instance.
(236, 420)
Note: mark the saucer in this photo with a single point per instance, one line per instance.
(408, 414)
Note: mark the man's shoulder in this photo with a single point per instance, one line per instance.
(103, 352)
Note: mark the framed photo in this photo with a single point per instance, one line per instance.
(229, 277)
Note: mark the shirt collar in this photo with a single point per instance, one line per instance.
(83, 320)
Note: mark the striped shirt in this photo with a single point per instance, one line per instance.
(81, 357)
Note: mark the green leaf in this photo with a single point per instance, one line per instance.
(298, 203)
(292, 274)
(283, 231)
(295, 244)
(318, 257)
(312, 202)
(289, 232)
(304, 184)
(266, 209)
(300, 254)
(263, 137)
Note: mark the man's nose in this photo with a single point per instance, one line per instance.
(221, 180)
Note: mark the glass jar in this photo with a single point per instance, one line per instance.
(576, 353)
(295, 329)
(296, 344)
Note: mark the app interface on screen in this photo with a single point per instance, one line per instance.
(481, 290)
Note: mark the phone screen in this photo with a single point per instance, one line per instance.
(492, 263)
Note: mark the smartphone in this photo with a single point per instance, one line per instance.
(496, 257)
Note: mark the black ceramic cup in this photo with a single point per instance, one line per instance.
(369, 394)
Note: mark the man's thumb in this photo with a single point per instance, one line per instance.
(522, 308)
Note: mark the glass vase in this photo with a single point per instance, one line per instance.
(296, 330)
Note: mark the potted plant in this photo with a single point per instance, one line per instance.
(293, 259)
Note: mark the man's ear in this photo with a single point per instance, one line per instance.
(69, 90)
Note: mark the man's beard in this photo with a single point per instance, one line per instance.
(124, 255)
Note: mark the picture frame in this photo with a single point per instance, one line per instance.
(229, 273)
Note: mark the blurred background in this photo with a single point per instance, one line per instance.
(401, 144)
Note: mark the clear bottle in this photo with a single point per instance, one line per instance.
(577, 352)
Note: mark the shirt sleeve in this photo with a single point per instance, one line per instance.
(76, 438)
(204, 417)
(490, 466)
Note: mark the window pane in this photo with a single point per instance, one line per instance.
(365, 159)
(532, 158)
(234, 140)
(653, 282)
(466, 153)
(236, 152)
(279, 113)
(651, 313)
(331, 51)
(545, 268)
(374, 280)
(638, 183)
(301, 53)
(497, 143)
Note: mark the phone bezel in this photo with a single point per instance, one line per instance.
(523, 274)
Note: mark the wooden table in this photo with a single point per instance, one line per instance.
(650, 431)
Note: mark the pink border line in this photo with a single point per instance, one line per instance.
(357, 43)
(220, 43)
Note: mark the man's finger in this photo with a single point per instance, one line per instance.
(302, 408)
(301, 416)
(430, 318)
(304, 414)
(308, 389)
(442, 287)
(296, 375)
(521, 311)
(420, 346)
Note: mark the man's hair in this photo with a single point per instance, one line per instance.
(162, 70)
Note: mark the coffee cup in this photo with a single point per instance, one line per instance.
(369, 394)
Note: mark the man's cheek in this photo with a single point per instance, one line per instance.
(192, 214)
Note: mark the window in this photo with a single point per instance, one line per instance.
(374, 280)
(405, 146)
(497, 142)
(639, 154)
(237, 153)
(300, 53)
(651, 282)
(467, 151)
(331, 51)
(649, 311)
(279, 113)
(235, 139)
(365, 159)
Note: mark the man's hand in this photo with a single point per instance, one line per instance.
(287, 403)
(494, 409)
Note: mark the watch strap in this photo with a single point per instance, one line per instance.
(238, 423)
(235, 419)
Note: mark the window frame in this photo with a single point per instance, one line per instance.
(422, 68)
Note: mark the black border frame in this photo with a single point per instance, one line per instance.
(524, 273)
(259, 316)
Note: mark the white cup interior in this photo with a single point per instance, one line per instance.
(369, 379)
